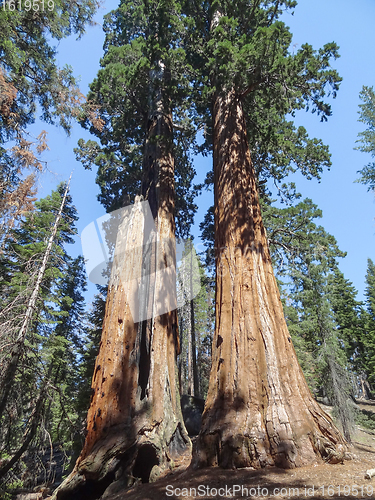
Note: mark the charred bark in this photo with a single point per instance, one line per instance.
(135, 427)
(259, 410)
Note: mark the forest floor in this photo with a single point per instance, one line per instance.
(323, 481)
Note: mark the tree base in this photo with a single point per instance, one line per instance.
(257, 448)
(112, 467)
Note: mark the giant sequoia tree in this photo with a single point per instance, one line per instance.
(134, 424)
(259, 410)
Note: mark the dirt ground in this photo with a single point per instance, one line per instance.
(322, 481)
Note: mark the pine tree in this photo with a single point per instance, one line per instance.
(316, 328)
(64, 346)
(348, 313)
(16, 198)
(28, 246)
(367, 137)
(29, 74)
(298, 245)
(89, 351)
(367, 347)
(204, 325)
(31, 82)
(39, 328)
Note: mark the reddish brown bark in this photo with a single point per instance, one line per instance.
(259, 410)
(134, 425)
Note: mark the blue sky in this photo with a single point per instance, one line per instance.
(348, 209)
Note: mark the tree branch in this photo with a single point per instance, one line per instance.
(252, 87)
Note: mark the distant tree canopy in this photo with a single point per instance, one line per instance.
(367, 137)
(29, 74)
(32, 84)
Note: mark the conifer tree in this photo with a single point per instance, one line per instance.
(89, 351)
(28, 246)
(195, 326)
(39, 328)
(367, 348)
(29, 75)
(204, 326)
(64, 346)
(367, 137)
(134, 425)
(349, 318)
(316, 329)
(31, 82)
(259, 410)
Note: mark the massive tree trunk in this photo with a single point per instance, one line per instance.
(134, 425)
(259, 410)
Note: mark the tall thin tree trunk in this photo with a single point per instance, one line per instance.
(192, 374)
(259, 410)
(195, 386)
(134, 424)
(365, 386)
(9, 372)
(190, 381)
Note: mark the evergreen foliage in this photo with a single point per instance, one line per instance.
(138, 36)
(312, 323)
(89, 351)
(367, 340)
(367, 137)
(348, 314)
(29, 75)
(31, 82)
(247, 48)
(41, 405)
